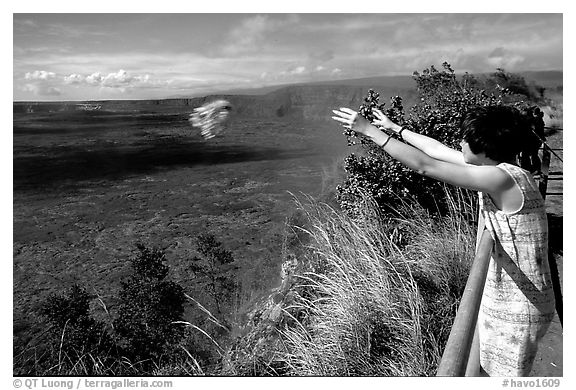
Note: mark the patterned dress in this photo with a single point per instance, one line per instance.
(518, 301)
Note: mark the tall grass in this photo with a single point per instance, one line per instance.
(379, 294)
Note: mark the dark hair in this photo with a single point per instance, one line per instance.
(496, 131)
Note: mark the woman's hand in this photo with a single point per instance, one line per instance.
(351, 120)
(383, 121)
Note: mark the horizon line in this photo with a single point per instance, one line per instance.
(230, 92)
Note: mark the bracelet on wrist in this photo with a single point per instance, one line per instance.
(400, 132)
(386, 142)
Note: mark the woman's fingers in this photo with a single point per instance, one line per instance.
(345, 122)
(348, 110)
(344, 114)
(379, 114)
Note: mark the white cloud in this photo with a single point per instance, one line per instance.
(502, 58)
(511, 62)
(298, 70)
(74, 79)
(39, 75)
(41, 83)
(94, 79)
(118, 79)
(42, 90)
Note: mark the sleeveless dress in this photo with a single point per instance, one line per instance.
(518, 301)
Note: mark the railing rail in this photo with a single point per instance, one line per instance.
(543, 185)
(457, 351)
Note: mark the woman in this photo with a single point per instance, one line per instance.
(518, 301)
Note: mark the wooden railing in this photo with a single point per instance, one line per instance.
(457, 352)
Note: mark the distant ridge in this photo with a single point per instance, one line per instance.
(545, 78)
(403, 82)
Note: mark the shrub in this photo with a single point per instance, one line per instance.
(149, 306)
(514, 85)
(444, 99)
(80, 344)
(213, 271)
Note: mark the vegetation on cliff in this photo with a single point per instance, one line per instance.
(444, 99)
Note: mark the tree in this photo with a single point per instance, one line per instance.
(149, 306)
(213, 271)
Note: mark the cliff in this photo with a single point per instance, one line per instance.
(306, 102)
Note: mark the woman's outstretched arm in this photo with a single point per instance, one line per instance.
(430, 146)
(489, 179)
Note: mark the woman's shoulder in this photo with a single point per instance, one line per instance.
(510, 166)
(521, 176)
(527, 185)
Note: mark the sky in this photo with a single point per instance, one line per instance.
(90, 56)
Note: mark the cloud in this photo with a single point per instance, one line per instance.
(118, 79)
(257, 33)
(33, 24)
(24, 24)
(42, 90)
(248, 35)
(298, 73)
(497, 52)
(39, 75)
(322, 56)
(41, 83)
(74, 79)
(94, 79)
(297, 70)
(502, 58)
(121, 80)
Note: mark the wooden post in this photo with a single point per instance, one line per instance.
(545, 168)
(457, 351)
(473, 365)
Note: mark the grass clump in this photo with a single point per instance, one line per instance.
(375, 295)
